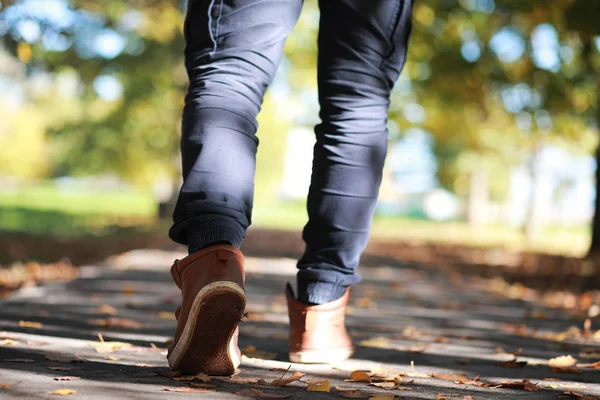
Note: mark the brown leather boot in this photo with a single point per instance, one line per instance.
(213, 302)
(318, 333)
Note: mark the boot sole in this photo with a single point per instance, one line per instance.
(206, 343)
(329, 356)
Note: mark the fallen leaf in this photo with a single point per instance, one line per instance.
(259, 394)
(187, 390)
(106, 310)
(567, 370)
(128, 289)
(29, 324)
(63, 392)
(450, 377)
(114, 322)
(53, 368)
(108, 347)
(359, 376)
(5, 385)
(384, 385)
(7, 342)
(286, 381)
(63, 358)
(595, 365)
(23, 360)
(113, 358)
(319, 386)
(513, 363)
(378, 342)
(562, 362)
(581, 396)
(67, 378)
(525, 384)
(166, 315)
(201, 377)
(251, 352)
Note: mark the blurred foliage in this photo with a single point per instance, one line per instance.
(459, 72)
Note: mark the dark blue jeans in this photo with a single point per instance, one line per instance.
(232, 52)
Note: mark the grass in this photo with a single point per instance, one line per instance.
(49, 209)
(571, 241)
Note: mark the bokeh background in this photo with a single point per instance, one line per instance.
(493, 124)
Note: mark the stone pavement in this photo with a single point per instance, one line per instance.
(415, 325)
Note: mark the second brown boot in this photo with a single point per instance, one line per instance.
(318, 332)
(213, 302)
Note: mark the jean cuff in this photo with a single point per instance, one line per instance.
(319, 292)
(201, 234)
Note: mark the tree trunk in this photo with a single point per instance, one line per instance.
(478, 197)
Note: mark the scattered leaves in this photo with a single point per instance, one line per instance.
(319, 386)
(67, 378)
(562, 362)
(63, 392)
(30, 324)
(450, 377)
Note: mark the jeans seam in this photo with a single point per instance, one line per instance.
(210, 28)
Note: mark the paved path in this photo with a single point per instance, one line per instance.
(409, 324)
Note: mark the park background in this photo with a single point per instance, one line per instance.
(493, 127)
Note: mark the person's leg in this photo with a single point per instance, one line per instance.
(233, 48)
(362, 48)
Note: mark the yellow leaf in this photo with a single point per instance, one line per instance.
(562, 362)
(108, 347)
(360, 376)
(29, 324)
(286, 381)
(319, 386)
(166, 315)
(64, 392)
(106, 310)
(113, 358)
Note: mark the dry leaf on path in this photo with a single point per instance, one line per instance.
(188, 390)
(108, 347)
(5, 385)
(286, 381)
(113, 358)
(567, 370)
(63, 392)
(385, 385)
(166, 315)
(67, 378)
(63, 358)
(513, 363)
(106, 310)
(450, 377)
(7, 342)
(581, 396)
(259, 394)
(201, 377)
(23, 360)
(359, 376)
(30, 324)
(319, 386)
(562, 362)
(525, 384)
